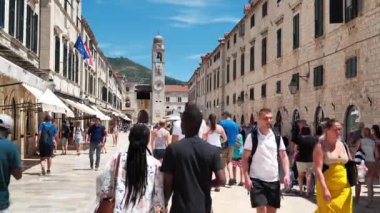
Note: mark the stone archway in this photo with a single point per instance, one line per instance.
(352, 119)
(278, 123)
(143, 117)
(318, 117)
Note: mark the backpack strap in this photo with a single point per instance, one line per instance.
(255, 142)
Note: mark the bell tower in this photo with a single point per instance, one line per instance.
(158, 79)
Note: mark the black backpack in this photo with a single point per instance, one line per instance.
(255, 143)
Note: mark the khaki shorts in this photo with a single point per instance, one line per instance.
(304, 166)
(227, 154)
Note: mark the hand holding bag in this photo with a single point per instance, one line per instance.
(107, 205)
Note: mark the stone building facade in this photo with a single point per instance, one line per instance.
(291, 58)
(176, 96)
(41, 71)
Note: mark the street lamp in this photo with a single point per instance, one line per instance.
(239, 101)
(294, 82)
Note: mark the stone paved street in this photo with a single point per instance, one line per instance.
(71, 188)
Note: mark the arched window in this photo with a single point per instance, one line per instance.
(352, 120)
(318, 117)
(278, 123)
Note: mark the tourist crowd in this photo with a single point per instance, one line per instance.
(184, 160)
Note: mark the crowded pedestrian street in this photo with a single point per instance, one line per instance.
(71, 188)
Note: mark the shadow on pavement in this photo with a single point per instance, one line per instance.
(82, 169)
(29, 163)
(32, 173)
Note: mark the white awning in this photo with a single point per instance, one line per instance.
(102, 116)
(126, 118)
(81, 107)
(49, 101)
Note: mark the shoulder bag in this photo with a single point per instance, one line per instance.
(107, 205)
(352, 171)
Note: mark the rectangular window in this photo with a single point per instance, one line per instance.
(20, 21)
(351, 9)
(318, 18)
(12, 13)
(228, 44)
(234, 98)
(234, 70)
(296, 31)
(214, 80)
(29, 21)
(242, 29)
(278, 87)
(263, 91)
(252, 94)
(351, 67)
(318, 76)
(296, 80)
(279, 43)
(57, 53)
(65, 59)
(179, 99)
(35, 33)
(336, 11)
(235, 38)
(76, 68)
(265, 9)
(252, 20)
(228, 100)
(264, 51)
(70, 65)
(252, 58)
(2, 13)
(228, 73)
(218, 79)
(242, 62)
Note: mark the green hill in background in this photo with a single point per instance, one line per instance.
(137, 72)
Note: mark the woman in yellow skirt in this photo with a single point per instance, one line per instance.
(330, 156)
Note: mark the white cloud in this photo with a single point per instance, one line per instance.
(187, 3)
(196, 17)
(194, 56)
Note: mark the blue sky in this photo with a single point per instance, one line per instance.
(190, 28)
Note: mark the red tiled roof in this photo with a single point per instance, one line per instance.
(176, 88)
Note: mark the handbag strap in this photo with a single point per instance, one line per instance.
(347, 151)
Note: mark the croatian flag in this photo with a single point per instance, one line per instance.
(90, 61)
(80, 47)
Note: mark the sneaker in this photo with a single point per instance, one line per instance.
(241, 184)
(48, 172)
(43, 172)
(92, 167)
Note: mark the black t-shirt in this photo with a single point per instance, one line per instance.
(305, 148)
(191, 161)
(65, 131)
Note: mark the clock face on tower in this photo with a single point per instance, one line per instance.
(158, 85)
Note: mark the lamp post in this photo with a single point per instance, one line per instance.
(294, 82)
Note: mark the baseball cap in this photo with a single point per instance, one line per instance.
(6, 122)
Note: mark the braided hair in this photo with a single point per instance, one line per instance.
(136, 164)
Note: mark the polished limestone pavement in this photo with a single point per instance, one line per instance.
(70, 187)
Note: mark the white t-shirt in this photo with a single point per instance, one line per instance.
(264, 162)
(178, 131)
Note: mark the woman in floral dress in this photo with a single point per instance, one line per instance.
(139, 185)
